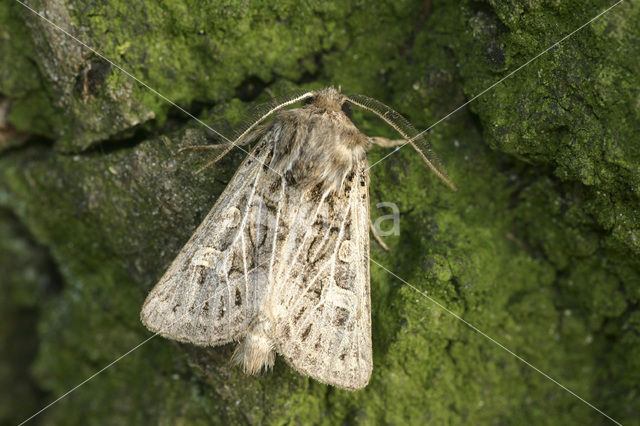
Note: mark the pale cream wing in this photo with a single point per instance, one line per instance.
(319, 295)
(216, 284)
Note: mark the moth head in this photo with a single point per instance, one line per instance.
(329, 99)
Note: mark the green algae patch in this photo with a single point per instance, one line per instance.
(27, 280)
(32, 110)
(536, 249)
(574, 109)
(189, 53)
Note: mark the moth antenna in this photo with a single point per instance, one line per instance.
(260, 113)
(407, 131)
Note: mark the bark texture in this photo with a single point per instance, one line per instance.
(539, 248)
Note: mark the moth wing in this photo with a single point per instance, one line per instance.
(214, 287)
(319, 295)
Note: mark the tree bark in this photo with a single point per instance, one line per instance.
(539, 248)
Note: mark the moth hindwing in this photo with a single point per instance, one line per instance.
(281, 262)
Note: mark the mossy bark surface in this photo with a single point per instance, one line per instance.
(539, 248)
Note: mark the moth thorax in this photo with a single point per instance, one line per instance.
(256, 351)
(317, 146)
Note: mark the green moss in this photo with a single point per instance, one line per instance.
(538, 248)
(27, 279)
(574, 109)
(32, 110)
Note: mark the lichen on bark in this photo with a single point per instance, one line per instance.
(538, 248)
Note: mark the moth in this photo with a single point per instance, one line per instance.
(281, 262)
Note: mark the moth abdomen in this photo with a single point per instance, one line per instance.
(256, 351)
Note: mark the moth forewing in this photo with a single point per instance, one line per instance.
(201, 298)
(281, 263)
(321, 297)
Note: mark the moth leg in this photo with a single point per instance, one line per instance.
(244, 140)
(387, 143)
(390, 143)
(200, 148)
(377, 237)
(270, 93)
(228, 146)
